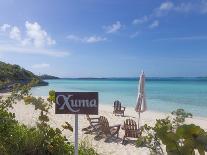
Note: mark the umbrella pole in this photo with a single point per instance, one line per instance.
(138, 120)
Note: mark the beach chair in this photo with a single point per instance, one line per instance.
(108, 131)
(94, 124)
(118, 109)
(131, 130)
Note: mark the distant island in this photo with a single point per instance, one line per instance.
(45, 77)
(12, 74)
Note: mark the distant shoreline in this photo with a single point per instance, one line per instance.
(137, 78)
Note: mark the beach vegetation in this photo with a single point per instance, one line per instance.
(13, 74)
(47, 77)
(179, 138)
(42, 139)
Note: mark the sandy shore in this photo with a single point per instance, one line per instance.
(27, 115)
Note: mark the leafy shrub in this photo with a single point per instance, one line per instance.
(180, 116)
(18, 139)
(179, 138)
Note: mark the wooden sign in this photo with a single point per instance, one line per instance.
(76, 103)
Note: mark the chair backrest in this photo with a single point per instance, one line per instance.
(104, 124)
(88, 118)
(117, 105)
(131, 129)
(130, 124)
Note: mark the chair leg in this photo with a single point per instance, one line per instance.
(123, 141)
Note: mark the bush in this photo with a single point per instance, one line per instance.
(18, 139)
(179, 138)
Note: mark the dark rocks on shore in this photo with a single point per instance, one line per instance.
(9, 86)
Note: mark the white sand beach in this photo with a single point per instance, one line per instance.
(28, 116)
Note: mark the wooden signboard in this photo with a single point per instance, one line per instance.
(76, 103)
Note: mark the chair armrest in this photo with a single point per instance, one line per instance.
(123, 108)
(94, 118)
(118, 125)
(97, 124)
(94, 121)
(134, 131)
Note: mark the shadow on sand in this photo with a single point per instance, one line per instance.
(109, 139)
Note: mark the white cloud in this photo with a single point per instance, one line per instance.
(134, 35)
(163, 9)
(4, 27)
(94, 39)
(41, 65)
(90, 39)
(166, 6)
(34, 40)
(113, 28)
(34, 35)
(158, 12)
(15, 33)
(73, 37)
(154, 24)
(184, 38)
(184, 7)
(12, 48)
(37, 36)
(200, 6)
(140, 20)
(204, 6)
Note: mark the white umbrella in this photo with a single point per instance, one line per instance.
(141, 101)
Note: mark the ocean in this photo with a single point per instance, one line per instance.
(162, 94)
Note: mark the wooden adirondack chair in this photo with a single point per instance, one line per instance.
(118, 109)
(94, 124)
(109, 131)
(131, 130)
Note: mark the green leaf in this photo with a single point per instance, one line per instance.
(67, 126)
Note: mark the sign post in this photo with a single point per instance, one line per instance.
(76, 103)
(76, 134)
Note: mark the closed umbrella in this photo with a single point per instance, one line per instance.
(141, 105)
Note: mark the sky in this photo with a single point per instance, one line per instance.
(105, 38)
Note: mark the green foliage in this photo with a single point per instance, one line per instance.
(67, 126)
(193, 138)
(179, 138)
(18, 139)
(85, 148)
(51, 97)
(181, 113)
(180, 116)
(45, 76)
(12, 74)
(149, 140)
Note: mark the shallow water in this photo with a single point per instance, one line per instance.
(162, 94)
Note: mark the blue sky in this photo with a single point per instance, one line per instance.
(105, 38)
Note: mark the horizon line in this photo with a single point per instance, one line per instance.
(132, 77)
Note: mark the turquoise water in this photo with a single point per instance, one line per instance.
(164, 94)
